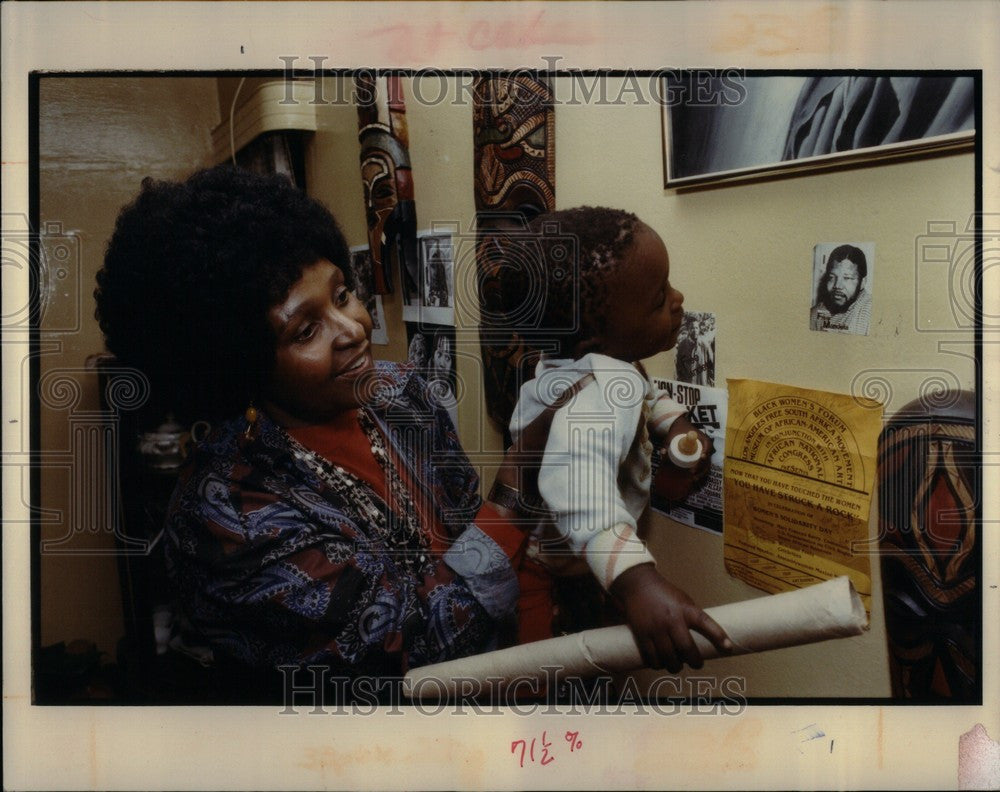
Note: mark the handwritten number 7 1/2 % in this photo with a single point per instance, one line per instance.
(537, 750)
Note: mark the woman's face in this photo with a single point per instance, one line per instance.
(442, 356)
(322, 348)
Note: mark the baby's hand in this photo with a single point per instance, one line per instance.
(683, 425)
(675, 483)
(661, 617)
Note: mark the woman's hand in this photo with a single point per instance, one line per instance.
(661, 617)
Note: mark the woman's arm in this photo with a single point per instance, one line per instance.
(271, 582)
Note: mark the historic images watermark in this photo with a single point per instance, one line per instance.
(315, 690)
(952, 258)
(432, 87)
(48, 313)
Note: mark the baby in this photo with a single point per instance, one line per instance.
(601, 277)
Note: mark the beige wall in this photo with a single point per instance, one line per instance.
(97, 139)
(745, 253)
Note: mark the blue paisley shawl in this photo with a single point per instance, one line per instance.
(274, 566)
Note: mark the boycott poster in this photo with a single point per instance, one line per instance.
(706, 409)
(800, 467)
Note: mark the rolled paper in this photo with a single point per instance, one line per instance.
(827, 610)
(685, 450)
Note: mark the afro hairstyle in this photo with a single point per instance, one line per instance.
(189, 275)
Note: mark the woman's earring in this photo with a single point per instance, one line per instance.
(251, 416)
(199, 431)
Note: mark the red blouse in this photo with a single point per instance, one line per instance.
(343, 442)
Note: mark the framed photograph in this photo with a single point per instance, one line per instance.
(410, 291)
(363, 275)
(843, 273)
(738, 126)
(431, 350)
(380, 331)
(429, 294)
(437, 275)
(695, 356)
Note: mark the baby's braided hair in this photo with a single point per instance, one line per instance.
(567, 263)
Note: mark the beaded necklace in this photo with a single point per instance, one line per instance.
(402, 534)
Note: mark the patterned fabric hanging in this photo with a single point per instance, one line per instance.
(931, 551)
(514, 142)
(387, 177)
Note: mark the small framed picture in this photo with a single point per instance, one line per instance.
(431, 350)
(363, 277)
(430, 299)
(842, 287)
(696, 349)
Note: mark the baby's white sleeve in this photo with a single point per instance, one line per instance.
(579, 481)
(663, 414)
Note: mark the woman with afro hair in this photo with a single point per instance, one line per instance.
(330, 516)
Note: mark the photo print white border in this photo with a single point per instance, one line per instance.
(435, 286)
(856, 319)
(694, 357)
(769, 745)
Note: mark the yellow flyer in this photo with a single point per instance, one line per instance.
(798, 479)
